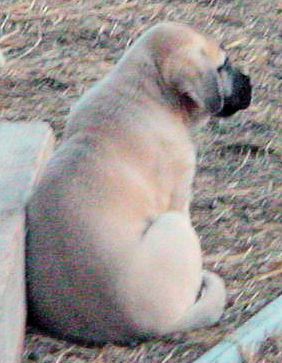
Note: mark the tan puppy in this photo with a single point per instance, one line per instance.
(111, 254)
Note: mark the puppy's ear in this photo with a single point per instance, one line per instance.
(198, 79)
(205, 90)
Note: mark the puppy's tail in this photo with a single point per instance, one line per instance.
(208, 309)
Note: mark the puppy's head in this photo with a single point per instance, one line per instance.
(198, 69)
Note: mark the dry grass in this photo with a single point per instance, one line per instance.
(55, 49)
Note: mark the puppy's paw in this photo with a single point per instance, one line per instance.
(215, 293)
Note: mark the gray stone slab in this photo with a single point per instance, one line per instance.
(24, 150)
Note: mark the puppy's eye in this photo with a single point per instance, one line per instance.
(224, 65)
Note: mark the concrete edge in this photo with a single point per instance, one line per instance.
(247, 339)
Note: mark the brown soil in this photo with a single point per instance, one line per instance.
(56, 49)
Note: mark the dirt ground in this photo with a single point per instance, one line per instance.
(56, 49)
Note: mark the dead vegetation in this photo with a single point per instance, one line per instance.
(55, 49)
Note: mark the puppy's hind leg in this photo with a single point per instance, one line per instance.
(164, 274)
(164, 277)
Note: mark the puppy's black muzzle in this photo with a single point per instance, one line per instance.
(240, 97)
